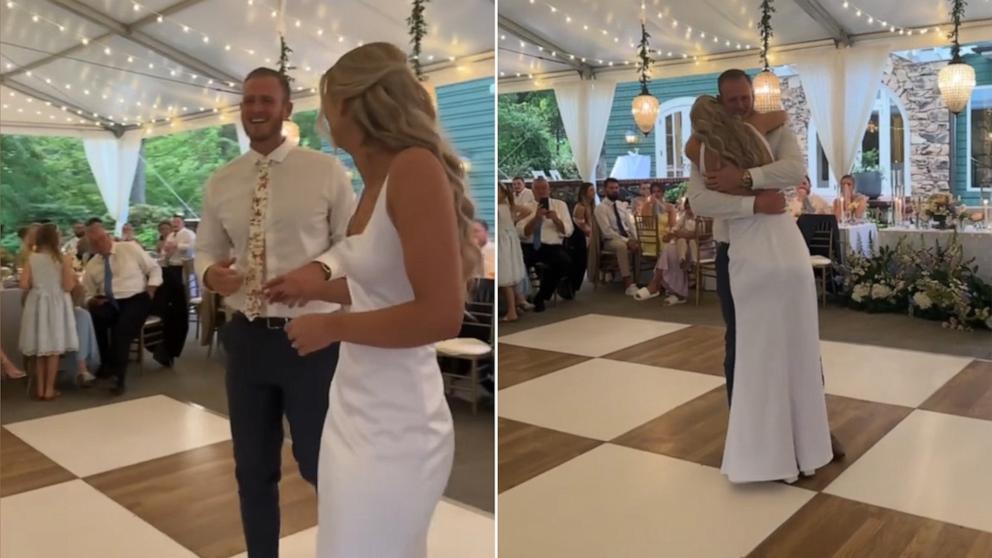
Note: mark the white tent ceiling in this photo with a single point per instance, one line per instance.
(118, 63)
(542, 38)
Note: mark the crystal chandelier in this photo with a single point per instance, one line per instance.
(956, 80)
(767, 89)
(645, 106)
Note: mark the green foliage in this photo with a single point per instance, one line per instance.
(307, 121)
(869, 161)
(532, 136)
(185, 161)
(673, 195)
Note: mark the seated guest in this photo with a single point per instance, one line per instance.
(127, 233)
(656, 203)
(522, 197)
(671, 271)
(481, 231)
(77, 244)
(806, 202)
(617, 232)
(850, 203)
(80, 363)
(119, 280)
(643, 199)
(546, 229)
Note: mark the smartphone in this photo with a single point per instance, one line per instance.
(545, 203)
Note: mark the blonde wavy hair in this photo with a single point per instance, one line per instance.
(727, 135)
(394, 112)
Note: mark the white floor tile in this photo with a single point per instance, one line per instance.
(456, 532)
(591, 335)
(602, 399)
(886, 375)
(931, 464)
(616, 501)
(74, 519)
(113, 436)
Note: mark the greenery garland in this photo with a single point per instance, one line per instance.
(284, 52)
(766, 29)
(644, 65)
(957, 12)
(417, 28)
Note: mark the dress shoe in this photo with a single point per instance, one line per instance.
(539, 305)
(117, 391)
(837, 448)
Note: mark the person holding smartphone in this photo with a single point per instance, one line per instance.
(545, 231)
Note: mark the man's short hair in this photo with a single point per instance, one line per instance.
(541, 179)
(269, 72)
(94, 221)
(731, 75)
(611, 179)
(520, 178)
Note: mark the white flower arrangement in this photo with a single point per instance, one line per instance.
(922, 301)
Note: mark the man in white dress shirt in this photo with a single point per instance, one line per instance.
(617, 232)
(521, 194)
(276, 209)
(545, 231)
(119, 282)
(172, 303)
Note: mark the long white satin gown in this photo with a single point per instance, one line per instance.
(778, 414)
(388, 441)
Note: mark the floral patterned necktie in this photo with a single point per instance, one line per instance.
(255, 276)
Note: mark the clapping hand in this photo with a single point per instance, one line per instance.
(297, 287)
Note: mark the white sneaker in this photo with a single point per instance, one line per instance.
(631, 290)
(672, 300)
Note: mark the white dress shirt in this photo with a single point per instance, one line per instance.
(549, 231)
(526, 196)
(185, 240)
(786, 171)
(133, 268)
(310, 204)
(607, 220)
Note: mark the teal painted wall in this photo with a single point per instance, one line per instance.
(468, 118)
(621, 119)
(983, 76)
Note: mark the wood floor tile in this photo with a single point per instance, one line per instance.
(697, 431)
(832, 527)
(193, 498)
(694, 431)
(526, 451)
(694, 349)
(969, 394)
(521, 364)
(23, 468)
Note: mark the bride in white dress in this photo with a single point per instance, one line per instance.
(388, 443)
(778, 417)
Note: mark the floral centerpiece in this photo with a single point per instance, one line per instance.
(941, 209)
(875, 284)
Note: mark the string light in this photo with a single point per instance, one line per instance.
(871, 19)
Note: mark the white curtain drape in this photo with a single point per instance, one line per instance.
(840, 88)
(114, 163)
(585, 113)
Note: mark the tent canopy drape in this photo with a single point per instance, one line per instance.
(585, 113)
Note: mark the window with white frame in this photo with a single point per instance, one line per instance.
(886, 141)
(673, 130)
(979, 139)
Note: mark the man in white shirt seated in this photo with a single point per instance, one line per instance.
(119, 281)
(521, 195)
(172, 304)
(617, 232)
(546, 229)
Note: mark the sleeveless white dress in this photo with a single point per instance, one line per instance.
(48, 325)
(778, 415)
(511, 256)
(388, 442)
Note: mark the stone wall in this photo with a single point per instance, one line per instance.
(929, 124)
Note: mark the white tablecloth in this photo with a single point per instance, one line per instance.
(976, 244)
(859, 238)
(631, 167)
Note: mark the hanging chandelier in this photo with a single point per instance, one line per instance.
(645, 106)
(956, 80)
(418, 30)
(767, 89)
